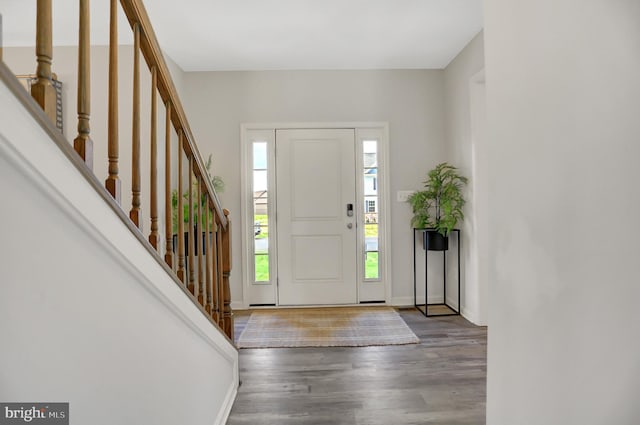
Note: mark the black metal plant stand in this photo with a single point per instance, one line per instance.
(452, 311)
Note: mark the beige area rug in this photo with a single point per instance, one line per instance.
(326, 327)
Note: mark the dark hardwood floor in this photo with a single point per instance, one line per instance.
(442, 380)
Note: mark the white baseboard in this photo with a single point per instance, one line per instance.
(472, 316)
(408, 301)
(225, 410)
(401, 301)
(436, 300)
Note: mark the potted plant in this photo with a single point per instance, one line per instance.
(438, 207)
(218, 186)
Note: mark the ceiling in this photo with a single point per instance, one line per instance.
(207, 35)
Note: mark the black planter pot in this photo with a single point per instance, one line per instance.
(195, 243)
(434, 241)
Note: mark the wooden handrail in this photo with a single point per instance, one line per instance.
(137, 14)
(206, 278)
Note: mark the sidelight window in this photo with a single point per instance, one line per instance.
(371, 202)
(260, 212)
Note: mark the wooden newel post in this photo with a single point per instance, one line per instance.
(204, 297)
(218, 297)
(42, 90)
(226, 271)
(83, 144)
(216, 260)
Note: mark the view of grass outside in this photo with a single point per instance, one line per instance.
(371, 266)
(262, 258)
(262, 268)
(371, 269)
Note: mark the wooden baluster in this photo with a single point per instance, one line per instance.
(168, 211)
(191, 242)
(83, 143)
(204, 297)
(154, 237)
(226, 270)
(113, 181)
(219, 278)
(199, 238)
(214, 268)
(42, 90)
(180, 210)
(134, 214)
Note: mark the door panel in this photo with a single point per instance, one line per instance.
(316, 238)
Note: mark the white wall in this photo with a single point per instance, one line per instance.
(464, 148)
(563, 108)
(411, 101)
(87, 315)
(177, 74)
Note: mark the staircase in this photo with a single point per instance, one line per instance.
(95, 310)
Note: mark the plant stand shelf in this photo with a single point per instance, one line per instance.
(435, 309)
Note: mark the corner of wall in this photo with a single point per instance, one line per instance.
(463, 152)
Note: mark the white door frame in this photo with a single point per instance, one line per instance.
(250, 132)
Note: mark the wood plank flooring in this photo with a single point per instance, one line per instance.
(442, 380)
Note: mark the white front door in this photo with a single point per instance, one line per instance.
(316, 219)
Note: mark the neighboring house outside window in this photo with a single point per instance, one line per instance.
(371, 206)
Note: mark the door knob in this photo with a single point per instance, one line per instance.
(349, 225)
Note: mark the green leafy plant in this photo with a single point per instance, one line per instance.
(218, 186)
(439, 205)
